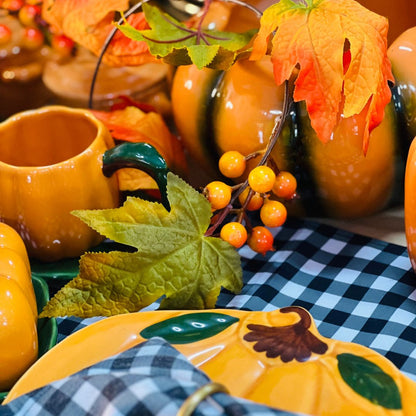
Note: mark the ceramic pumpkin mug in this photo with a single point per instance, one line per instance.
(54, 160)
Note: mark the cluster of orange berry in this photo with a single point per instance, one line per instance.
(35, 31)
(255, 194)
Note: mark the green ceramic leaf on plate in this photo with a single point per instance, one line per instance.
(369, 380)
(47, 327)
(191, 327)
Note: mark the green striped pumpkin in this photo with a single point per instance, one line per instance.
(217, 111)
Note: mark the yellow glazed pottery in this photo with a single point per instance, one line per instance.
(18, 309)
(55, 160)
(276, 358)
(410, 204)
(51, 164)
(402, 54)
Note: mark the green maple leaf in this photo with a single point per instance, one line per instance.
(173, 259)
(176, 44)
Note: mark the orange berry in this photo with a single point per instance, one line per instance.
(232, 164)
(261, 179)
(32, 38)
(218, 194)
(13, 5)
(285, 185)
(255, 202)
(273, 213)
(234, 233)
(27, 14)
(62, 44)
(260, 240)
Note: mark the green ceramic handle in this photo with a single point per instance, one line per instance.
(142, 156)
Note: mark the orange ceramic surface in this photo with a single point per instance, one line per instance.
(276, 358)
(410, 204)
(351, 184)
(14, 263)
(18, 335)
(9, 238)
(236, 110)
(13, 267)
(51, 164)
(216, 112)
(402, 55)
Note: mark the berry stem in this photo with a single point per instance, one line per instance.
(277, 130)
(224, 212)
(254, 155)
(278, 126)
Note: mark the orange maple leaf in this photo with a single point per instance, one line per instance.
(89, 22)
(310, 39)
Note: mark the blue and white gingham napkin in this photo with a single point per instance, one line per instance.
(151, 379)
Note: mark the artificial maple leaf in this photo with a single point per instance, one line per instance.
(173, 259)
(177, 44)
(312, 36)
(89, 22)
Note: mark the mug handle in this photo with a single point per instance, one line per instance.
(142, 156)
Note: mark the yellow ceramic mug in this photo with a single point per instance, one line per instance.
(51, 162)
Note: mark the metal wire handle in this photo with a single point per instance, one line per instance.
(195, 399)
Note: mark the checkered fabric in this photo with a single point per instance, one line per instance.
(152, 378)
(357, 289)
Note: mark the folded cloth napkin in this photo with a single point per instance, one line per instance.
(152, 378)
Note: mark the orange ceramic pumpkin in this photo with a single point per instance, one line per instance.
(218, 111)
(18, 310)
(410, 204)
(402, 54)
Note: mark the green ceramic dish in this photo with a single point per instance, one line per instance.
(47, 327)
(66, 269)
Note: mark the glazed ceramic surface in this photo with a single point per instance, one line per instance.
(218, 111)
(55, 160)
(402, 55)
(51, 161)
(276, 358)
(410, 204)
(47, 328)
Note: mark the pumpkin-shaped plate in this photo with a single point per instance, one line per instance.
(275, 358)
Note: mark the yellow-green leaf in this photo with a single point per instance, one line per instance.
(173, 259)
(177, 44)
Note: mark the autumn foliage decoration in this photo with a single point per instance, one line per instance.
(90, 22)
(338, 50)
(333, 53)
